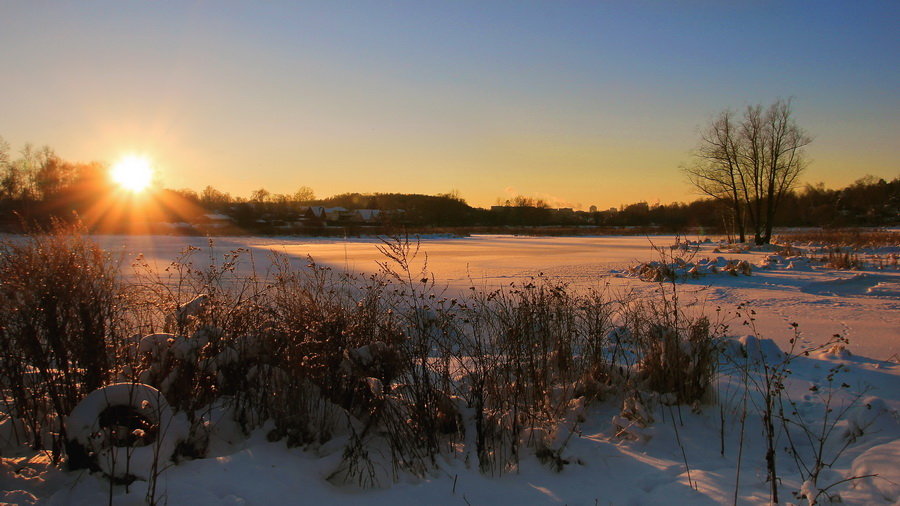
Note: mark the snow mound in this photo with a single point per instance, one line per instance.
(872, 415)
(788, 263)
(881, 460)
(116, 453)
(837, 351)
(755, 349)
(885, 289)
(858, 285)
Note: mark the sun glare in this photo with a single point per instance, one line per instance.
(132, 173)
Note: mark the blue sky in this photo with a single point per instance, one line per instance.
(577, 102)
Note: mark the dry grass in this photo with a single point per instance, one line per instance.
(60, 328)
(853, 238)
(845, 260)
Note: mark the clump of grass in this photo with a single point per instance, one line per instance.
(789, 250)
(884, 261)
(854, 238)
(674, 354)
(539, 351)
(844, 248)
(845, 260)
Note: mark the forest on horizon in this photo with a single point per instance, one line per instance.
(39, 186)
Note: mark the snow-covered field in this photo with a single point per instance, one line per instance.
(860, 305)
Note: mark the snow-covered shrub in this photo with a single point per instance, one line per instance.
(550, 446)
(654, 271)
(385, 357)
(167, 361)
(185, 313)
(634, 418)
(680, 269)
(735, 267)
(215, 317)
(750, 348)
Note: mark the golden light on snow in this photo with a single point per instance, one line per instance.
(133, 173)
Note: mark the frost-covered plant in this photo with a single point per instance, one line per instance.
(61, 308)
(216, 323)
(673, 353)
(814, 443)
(530, 354)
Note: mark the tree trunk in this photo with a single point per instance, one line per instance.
(738, 217)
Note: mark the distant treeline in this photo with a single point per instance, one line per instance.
(38, 186)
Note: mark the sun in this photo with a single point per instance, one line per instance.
(132, 173)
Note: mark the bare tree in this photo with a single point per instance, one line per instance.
(212, 198)
(716, 171)
(4, 153)
(785, 141)
(260, 195)
(751, 165)
(9, 178)
(303, 194)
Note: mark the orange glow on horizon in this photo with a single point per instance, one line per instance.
(126, 198)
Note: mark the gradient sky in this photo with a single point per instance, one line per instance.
(579, 103)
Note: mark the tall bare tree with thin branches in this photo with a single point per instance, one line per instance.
(716, 172)
(751, 164)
